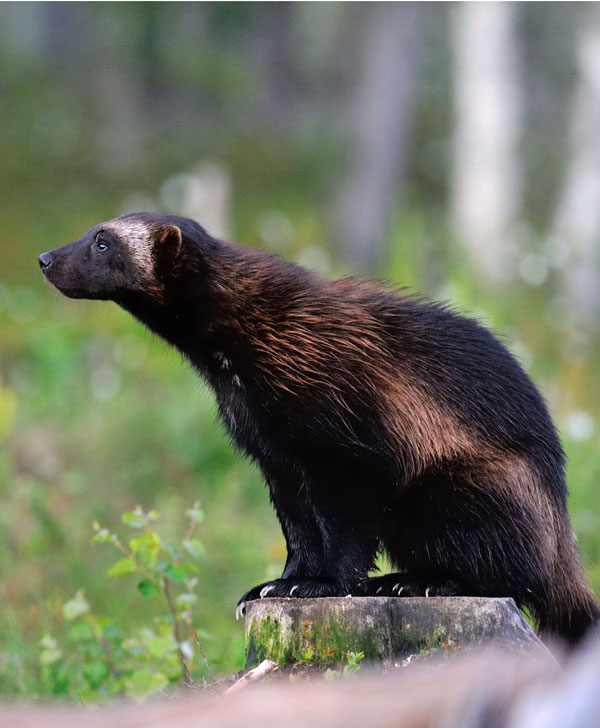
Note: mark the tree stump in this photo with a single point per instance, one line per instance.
(386, 629)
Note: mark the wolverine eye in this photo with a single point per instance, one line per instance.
(99, 244)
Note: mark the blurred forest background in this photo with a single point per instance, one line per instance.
(451, 148)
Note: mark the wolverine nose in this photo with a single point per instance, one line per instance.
(44, 260)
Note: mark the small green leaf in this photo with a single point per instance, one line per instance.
(160, 646)
(49, 656)
(51, 652)
(195, 514)
(131, 645)
(146, 547)
(106, 624)
(142, 682)
(102, 535)
(173, 549)
(135, 518)
(75, 607)
(122, 566)
(353, 659)
(176, 573)
(48, 641)
(148, 588)
(194, 547)
(187, 650)
(95, 673)
(81, 632)
(184, 600)
(8, 404)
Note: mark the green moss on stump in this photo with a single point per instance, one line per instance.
(386, 630)
(263, 641)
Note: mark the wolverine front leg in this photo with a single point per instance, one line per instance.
(304, 567)
(331, 530)
(335, 554)
(331, 534)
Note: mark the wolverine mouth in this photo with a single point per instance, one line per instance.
(68, 292)
(47, 264)
(72, 292)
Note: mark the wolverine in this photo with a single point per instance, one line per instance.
(381, 422)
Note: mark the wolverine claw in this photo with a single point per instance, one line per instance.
(266, 589)
(240, 609)
(427, 591)
(293, 589)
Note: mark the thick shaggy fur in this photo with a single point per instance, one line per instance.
(380, 421)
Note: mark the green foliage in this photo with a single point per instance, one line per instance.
(90, 658)
(8, 403)
(75, 607)
(334, 662)
(98, 422)
(95, 413)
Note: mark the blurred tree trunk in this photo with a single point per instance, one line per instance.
(486, 180)
(66, 37)
(578, 211)
(119, 90)
(272, 44)
(380, 114)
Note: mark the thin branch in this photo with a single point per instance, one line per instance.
(188, 535)
(190, 529)
(143, 569)
(177, 632)
(210, 675)
(108, 656)
(105, 648)
(265, 667)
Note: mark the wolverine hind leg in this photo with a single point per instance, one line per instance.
(480, 531)
(412, 585)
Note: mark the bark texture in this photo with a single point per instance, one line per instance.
(387, 629)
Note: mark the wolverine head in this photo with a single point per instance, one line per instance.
(135, 253)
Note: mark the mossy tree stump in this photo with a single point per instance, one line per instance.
(386, 629)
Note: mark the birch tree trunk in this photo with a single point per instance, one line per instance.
(578, 211)
(381, 112)
(486, 179)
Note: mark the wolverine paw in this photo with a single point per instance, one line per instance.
(296, 587)
(401, 585)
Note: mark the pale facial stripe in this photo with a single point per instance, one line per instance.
(137, 237)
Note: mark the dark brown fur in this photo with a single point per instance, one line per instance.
(380, 421)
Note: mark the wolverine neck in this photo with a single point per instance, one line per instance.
(228, 299)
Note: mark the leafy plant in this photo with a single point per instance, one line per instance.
(94, 659)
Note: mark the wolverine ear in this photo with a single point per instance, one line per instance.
(167, 247)
(168, 241)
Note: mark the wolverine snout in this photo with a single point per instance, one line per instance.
(45, 260)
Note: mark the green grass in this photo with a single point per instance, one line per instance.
(107, 417)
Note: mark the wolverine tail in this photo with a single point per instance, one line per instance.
(571, 608)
